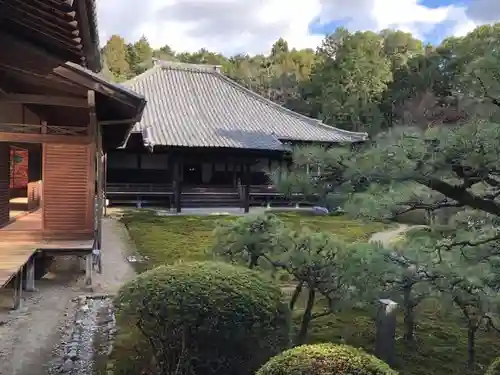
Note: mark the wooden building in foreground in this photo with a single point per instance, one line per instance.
(206, 140)
(64, 118)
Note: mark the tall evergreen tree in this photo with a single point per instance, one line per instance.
(115, 53)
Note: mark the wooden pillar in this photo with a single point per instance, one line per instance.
(105, 183)
(99, 166)
(233, 171)
(246, 187)
(177, 165)
(4, 183)
(18, 290)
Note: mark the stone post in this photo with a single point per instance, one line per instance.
(30, 275)
(18, 290)
(386, 331)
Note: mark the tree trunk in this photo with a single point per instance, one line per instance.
(253, 262)
(409, 316)
(471, 346)
(296, 295)
(306, 318)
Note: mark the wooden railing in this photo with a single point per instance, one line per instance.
(209, 189)
(264, 190)
(269, 190)
(10, 127)
(138, 188)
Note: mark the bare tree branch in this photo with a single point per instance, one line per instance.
(494, 100)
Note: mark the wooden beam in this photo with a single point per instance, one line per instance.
(44, 138)
(58, 8)
(34, 59)
(75, 76)
(12, 73)
(92, 113)
(69, 46)
(47, 14)
(60, 101)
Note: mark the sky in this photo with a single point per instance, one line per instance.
(252, 26)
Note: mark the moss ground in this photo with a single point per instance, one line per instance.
(440, 348)
(167, 239)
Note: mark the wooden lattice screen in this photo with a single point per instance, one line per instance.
(68, 184)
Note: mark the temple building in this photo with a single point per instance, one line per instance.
(206, 140)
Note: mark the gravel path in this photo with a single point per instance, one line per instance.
(387, 236)
(116, 246)
(30, 336)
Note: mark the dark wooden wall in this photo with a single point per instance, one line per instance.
(68, 188)
(4, 183)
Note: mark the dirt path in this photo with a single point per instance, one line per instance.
(29, 336)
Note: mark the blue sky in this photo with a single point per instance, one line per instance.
(440, 31)
(440, 3)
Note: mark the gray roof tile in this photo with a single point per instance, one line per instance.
(197, 106)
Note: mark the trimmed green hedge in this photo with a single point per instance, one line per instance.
(325, 359)
(207, 317)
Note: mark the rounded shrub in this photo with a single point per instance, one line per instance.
(206, 318)
(325, 359)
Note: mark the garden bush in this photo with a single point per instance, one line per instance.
(206, 318)
(325, 359)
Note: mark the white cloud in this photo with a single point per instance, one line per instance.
(406, 15)
(463, 24)
(232, 26)
(226, 26)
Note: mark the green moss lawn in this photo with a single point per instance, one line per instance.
(441, 339)
(167, 239)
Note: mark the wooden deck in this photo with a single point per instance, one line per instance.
(14, 254)
(27, 221)
(13, 257)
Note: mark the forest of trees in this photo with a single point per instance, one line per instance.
(361, 81)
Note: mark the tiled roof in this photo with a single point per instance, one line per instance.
(197, 106)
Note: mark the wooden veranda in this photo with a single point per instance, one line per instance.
(54, 107)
